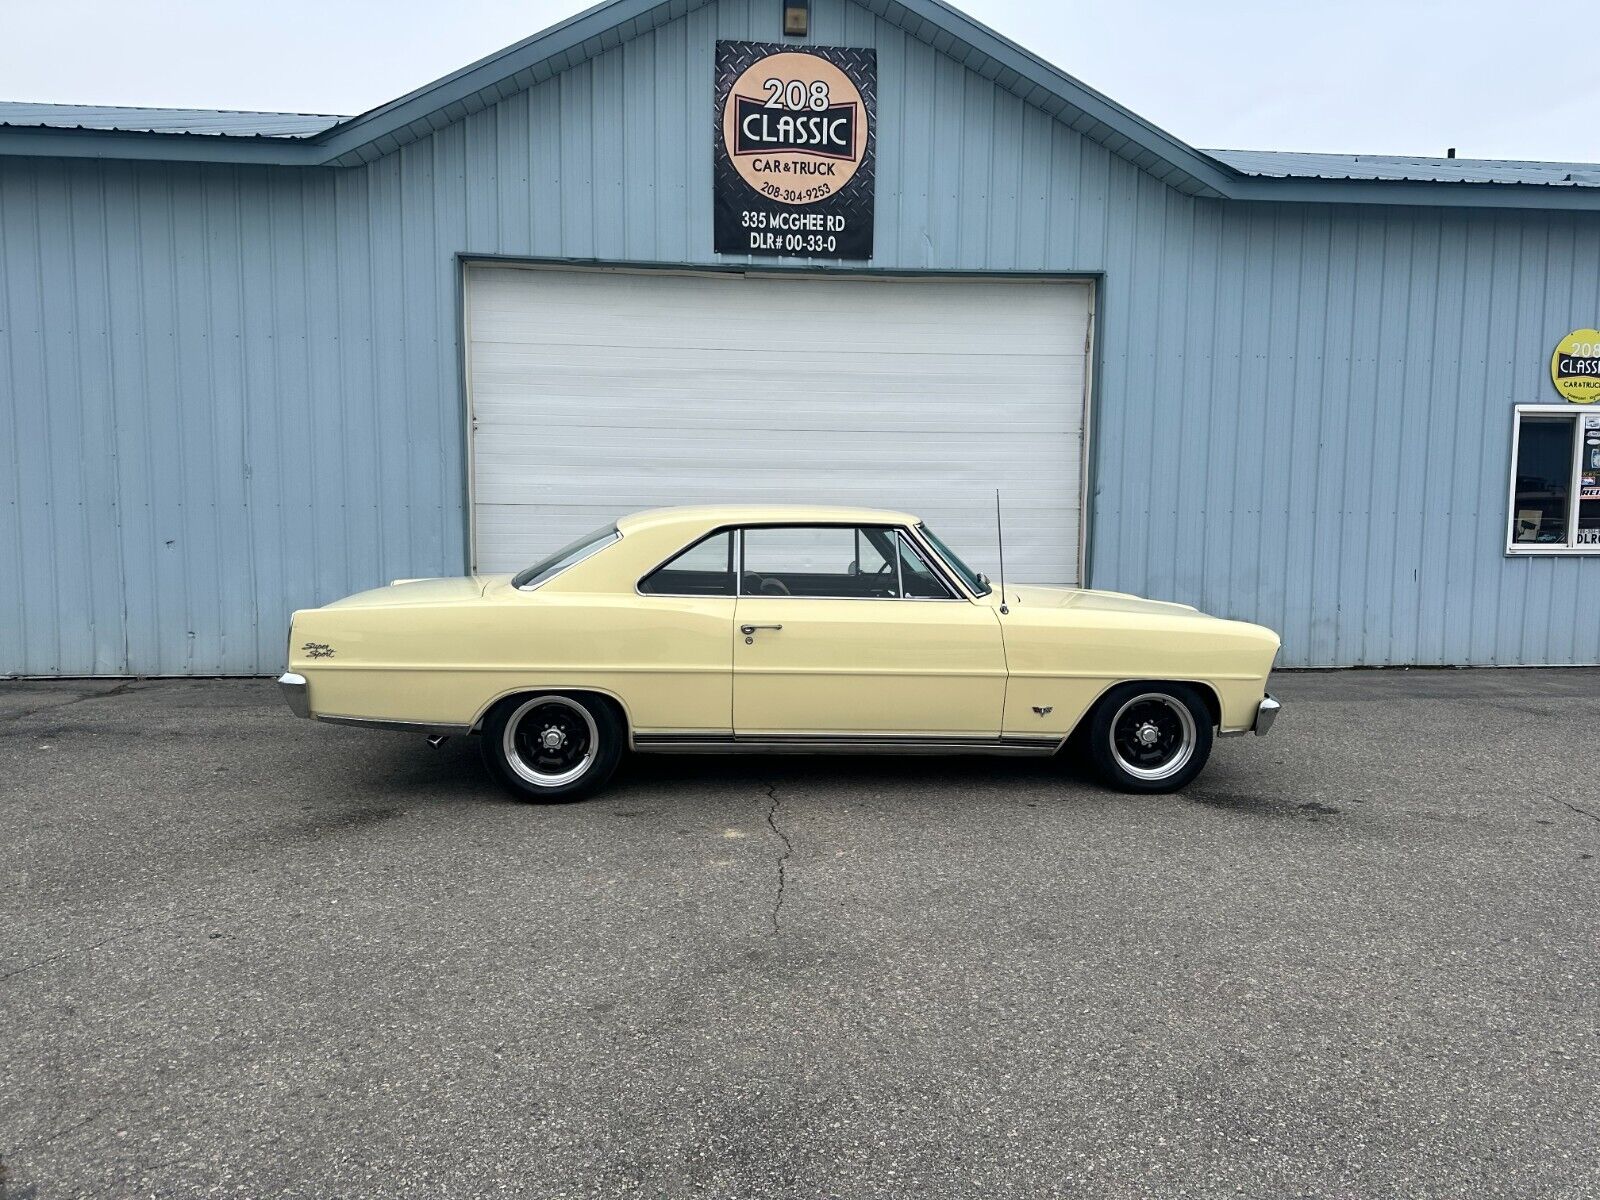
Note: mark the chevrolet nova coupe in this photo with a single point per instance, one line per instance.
(710, 630)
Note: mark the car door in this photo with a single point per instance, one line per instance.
(846, 632)
(676, 638)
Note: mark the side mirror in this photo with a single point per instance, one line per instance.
(984, 579)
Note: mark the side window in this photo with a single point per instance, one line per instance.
(867, 562)
(704, 569)
(807, 560)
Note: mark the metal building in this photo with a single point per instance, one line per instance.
(254, 361)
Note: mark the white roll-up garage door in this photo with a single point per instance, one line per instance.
(595, 393)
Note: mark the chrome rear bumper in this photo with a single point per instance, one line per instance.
(296, 693)
(1266, 714)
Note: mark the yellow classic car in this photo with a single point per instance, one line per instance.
(800, 629)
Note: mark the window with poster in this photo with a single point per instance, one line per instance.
(1555, 480)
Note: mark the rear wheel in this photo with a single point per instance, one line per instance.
(551, 747)
(1150, 737)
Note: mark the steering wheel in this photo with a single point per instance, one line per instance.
(774, 587)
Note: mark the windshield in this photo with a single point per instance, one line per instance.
(565, 557)
(968, 576)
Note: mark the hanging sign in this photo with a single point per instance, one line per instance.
(792, 167)
(1575, 366)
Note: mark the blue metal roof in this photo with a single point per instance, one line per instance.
(314, 140)
(1288, 164)
(200, 121)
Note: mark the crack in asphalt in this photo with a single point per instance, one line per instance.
(66, 1129)
(1580, 811)
(783, 859)
(121, 689)
(74, 950)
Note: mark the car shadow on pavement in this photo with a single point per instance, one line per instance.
(400, 776)
(849, 771)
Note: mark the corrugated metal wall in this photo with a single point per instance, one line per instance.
(230, 392)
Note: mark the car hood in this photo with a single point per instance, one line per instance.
(421, 591)
(1034, 595)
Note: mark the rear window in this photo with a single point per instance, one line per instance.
(565, 557)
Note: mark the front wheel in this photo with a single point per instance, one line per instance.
(552, 748)
(1150, 737)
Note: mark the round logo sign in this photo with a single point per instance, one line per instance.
(794, 128)
(1575, 366)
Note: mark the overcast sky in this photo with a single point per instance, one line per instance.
(1496, 80)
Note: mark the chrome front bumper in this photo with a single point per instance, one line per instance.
(296, 693)
(1266, 714)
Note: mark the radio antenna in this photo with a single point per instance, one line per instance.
(1000, 538)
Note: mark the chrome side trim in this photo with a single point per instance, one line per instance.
(296, 693)
(399, 726)
(903, 542)
(952, 578)
(1266, 715)
(690, 743)
(596, 548)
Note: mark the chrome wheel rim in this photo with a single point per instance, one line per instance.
(1153, 736)
(550, 741)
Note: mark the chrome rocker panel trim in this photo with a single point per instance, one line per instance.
(696, 743)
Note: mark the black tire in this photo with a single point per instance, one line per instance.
(552, 747)
(1150, 737)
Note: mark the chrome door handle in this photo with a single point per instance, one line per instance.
(747, 630)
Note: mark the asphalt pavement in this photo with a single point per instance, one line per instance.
(247, 955)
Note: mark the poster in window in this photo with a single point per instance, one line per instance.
(793, 163)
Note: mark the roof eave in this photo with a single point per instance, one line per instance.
(1025, 74)
(1415, 193)
(476, 86)
(24, 141)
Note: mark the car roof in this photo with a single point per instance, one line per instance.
(709, 516)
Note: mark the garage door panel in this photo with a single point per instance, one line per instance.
(610, 309)
(733, 336)
(748, 373)
(946, 414)
(754, 449)
(607, 418)
(598, 393)
(665, 483)
(734, 478)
